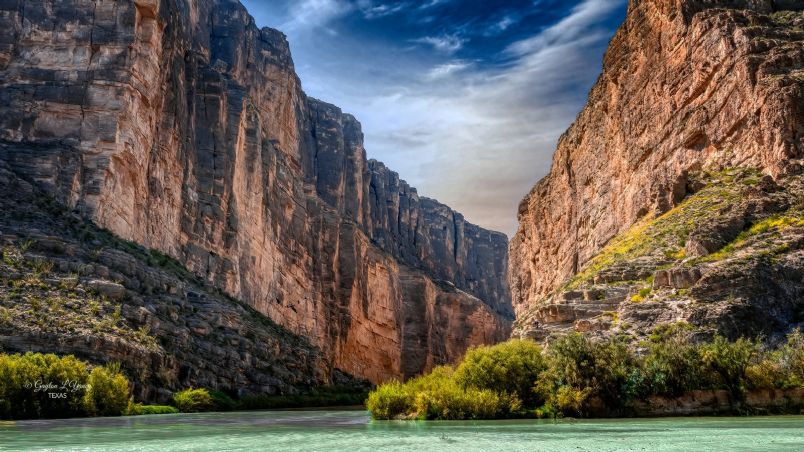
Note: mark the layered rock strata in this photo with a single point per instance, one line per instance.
(687, 86)
(181, 126)
(68, 287)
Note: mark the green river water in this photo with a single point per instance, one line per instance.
(354, 431)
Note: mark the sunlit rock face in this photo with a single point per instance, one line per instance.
(180, 125)
(686, 85)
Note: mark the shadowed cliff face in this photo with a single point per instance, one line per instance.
(182, 126)
(687, 85)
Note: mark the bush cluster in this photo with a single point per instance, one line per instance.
(491, 383)
(573, 373)
(35, 385)
(27, 382)
(193, 400)
(439, 395)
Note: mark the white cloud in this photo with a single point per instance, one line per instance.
(447, 69)
(371, 10)
(309, 14)
(432, 3)
(473, 137)
(571, 28)
(446, 43)
(489, 140)
(500, 26)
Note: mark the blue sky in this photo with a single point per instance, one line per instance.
(465, 99)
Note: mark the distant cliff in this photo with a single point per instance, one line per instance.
(640, 204)
(181, 126)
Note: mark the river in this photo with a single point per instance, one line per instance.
(353, 431)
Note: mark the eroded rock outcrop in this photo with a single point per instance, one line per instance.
(687, 86)
(182, 126)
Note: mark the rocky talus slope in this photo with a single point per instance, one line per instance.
(729, 260)
(656, 209)
(181, 126)
(69, 287)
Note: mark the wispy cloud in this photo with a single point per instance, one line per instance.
(442, 110)
(448, 69)
(447, 43)
(501, 25)
(491, 138)
(308, 14)
(372, 10)
(432, 3)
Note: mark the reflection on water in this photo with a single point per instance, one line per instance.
(353, 431)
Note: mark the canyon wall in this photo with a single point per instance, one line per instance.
(181, 126)
(687, 85)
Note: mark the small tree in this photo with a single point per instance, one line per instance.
(109, 392)
(193, 400)
(511, 367)
(729, 361)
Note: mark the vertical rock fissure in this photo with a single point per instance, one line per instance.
(455, 237)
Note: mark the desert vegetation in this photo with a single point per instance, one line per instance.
(47, 386)
(36, 385)
(574, 373)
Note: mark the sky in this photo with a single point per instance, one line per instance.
(465, 99)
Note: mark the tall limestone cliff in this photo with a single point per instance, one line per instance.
(181, 126)
(637, 199)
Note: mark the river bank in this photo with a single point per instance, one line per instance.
(707, 403)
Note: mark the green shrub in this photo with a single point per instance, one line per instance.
(193, 400)
(673, 365)
(222, 402)
(791, 360)
(452, 402)
(766, 374)
(30, 386)
(511, 367)
(389, 401)
(139, 409)
(728, 361)
(109, 392)
(35, 385)
(574, 371)
(439, 396)
(604, 369)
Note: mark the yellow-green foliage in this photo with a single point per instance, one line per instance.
(48, 386)
(37, 297)
(139, 409)
(438, 395)
(667, 330)
(642, 295)
(108, 393)
(193, 400)
(791, 360)
(390, 400)
(730, 360)
(587, 369)
(787, 19)
(575, 370)
(773, 224)
(666, 235)
(510, 367)
(782, 368)
(673, 364)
